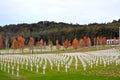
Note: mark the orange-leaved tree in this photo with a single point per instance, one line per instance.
(31, 44)
(85, 40)
(38, 45)
(114, 40)
(98, 41)
(50, 43)
(1, 42)
(69, 43)
(41, 44)
(88, 43)
(57, 44)
(44, 45)
(103, 40)
(21, 42)
(75, 43)
(81, 43)
(95, 41)
(15, 44)
(7, 43)
(66, 44)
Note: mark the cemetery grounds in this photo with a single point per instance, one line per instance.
(81, 65)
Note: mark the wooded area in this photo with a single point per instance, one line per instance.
(60, 31)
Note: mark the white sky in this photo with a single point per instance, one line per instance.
(70, 11)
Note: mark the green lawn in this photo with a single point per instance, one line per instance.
(111, 72)
(54, 50)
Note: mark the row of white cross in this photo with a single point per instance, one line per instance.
(14, 63)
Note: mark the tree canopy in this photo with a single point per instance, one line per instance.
(61, 31)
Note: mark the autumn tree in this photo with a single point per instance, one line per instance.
(31, 44)
(1, 42)
(69, 43)
(95, 41)
(15, 44)
(98, 41)
(75, 43)
(57, 45)
(88, 43)
(85, 40)
(39, 44)
(50, 43)
(66, 44)
(21, 41)
(44, 44)
(7, 44)
(114, 40)
(103, 40)
(81, 43)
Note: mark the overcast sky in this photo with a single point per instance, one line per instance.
(70, 11)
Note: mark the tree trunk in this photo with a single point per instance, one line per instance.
(51, 49)
(22, 51)
(40, 49)
(13, 50)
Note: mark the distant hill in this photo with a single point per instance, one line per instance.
(61, 31)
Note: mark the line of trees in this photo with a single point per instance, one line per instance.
(19, 43)
(60, 31)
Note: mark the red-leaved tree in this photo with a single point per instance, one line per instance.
(1, 42)
(114, 41)
(40, 45)
(103, 40)
(21, 42)
(98, 41)
(95, 41)
(44, 45)
(58, 45)
(31, 44)
(66, 44)
(88, 43)
(7, 44)
(85, 40)
(15, 44)
(75, 43)
(81, 43)
(50, 43)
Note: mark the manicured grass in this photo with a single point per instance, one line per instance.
(111, 72)
(54, 50)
